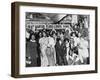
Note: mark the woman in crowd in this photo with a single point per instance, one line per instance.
(39, 35)
(43, 46)
(83, 49)
(55, 40)
(74, 53)
(31, 50)
(50, 51)
(67, 34)
(67, 48)
(75, 38)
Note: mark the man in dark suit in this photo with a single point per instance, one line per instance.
(60, 51)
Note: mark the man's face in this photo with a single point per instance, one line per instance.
(66, 42)
(73, 35)
(44, 34)
(62, 37)
(58, 34)
(33, 37)
(79, 34)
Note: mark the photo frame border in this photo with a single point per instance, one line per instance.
(15, 32)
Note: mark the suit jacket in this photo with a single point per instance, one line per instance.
(60, 49)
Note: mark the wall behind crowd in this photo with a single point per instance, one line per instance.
(5, 40)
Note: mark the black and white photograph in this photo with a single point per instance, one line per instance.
(54, 39)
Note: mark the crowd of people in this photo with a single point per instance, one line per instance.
(57, 48)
